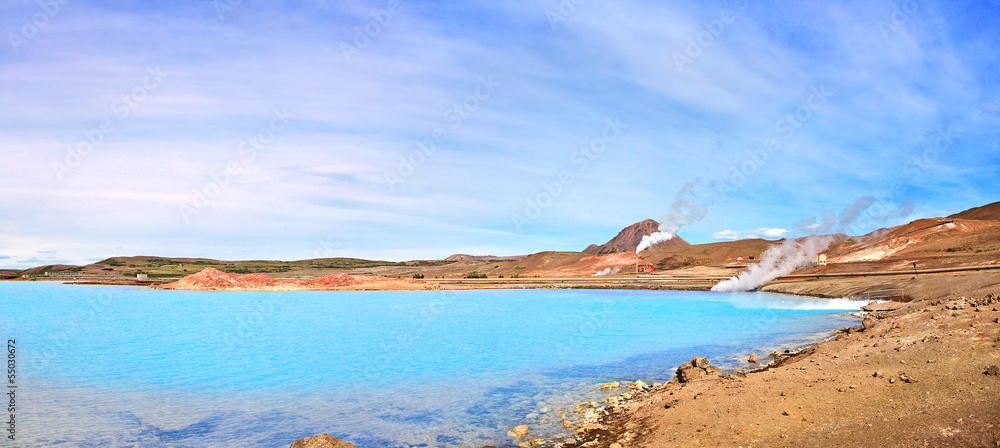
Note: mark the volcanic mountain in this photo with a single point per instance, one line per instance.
(989, 212)
(628, 239)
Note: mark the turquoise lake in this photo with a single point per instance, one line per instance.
(102, 366)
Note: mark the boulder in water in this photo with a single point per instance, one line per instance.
(519, 431)
(322, 441)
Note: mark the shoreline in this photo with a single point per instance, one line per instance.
(914, 376)
(904, 363)
(622, 392)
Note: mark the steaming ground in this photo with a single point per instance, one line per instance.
(779, 260)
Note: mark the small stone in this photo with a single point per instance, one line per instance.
(785, 413)
(567, 424)
(519, 431)
(641, 385)
(700, 362)
(992, 371)
(537, 442)
(867, 323)
(892, 380)
(752, 358)
(906, 378)
(615, 445)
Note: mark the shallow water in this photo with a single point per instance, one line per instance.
(112, 366)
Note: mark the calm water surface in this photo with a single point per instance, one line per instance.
(111, 366)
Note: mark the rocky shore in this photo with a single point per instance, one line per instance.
(925, 374)
(921, 373)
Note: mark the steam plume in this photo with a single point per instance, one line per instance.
(777, 261)
(684, 211)
(607, 271)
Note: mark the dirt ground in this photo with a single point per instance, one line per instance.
(921, 375)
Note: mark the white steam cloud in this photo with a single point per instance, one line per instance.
(607, 271)
(683, 212)
(777, 261)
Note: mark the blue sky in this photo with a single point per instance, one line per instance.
(403, 130)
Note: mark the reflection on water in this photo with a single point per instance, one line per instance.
(105, 366)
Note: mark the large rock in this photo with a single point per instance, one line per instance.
(690, 374)
(322, 441)
(867, 323)
(519, 431)
(696, 369)
(883, 307)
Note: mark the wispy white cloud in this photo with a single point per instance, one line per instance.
(732, 235)
(324, 177)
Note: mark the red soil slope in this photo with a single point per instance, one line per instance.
(214, 280)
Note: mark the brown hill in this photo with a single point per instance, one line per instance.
(49, 268)
(628, 239)
(924, 237)
(467, 257)
(210, 279)
(544, 261)
(712, 254)
(989, 212)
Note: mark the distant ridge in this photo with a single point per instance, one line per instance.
(989, 212)
(467, 257)
(628, 239)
